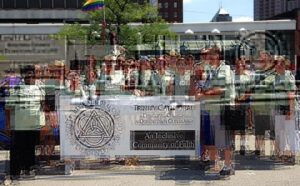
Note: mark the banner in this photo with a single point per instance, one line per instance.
(128, 125)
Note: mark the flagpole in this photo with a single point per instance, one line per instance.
(104, 10)
(104, 26)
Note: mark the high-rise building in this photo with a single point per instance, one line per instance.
(170, 10)
(221, 16)
(37, 11)
(58, 11)
(265, 9)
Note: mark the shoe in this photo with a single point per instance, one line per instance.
(29, 174)
(226, 171)
(257, 152)
(15, 177)
(205, 165)
(243, 150)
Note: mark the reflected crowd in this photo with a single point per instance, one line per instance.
(251, 97)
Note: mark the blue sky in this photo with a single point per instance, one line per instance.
(201, 11)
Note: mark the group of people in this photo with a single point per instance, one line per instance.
(250, 96)
(29, 114)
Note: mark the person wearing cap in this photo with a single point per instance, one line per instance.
(285, 104)
(171, 64)
(88, 89)
(118, 77)
(182, 78)
(134, 74)
(262, 103)
(159, 80)
(113, 76)
(59, 72)
(219, 92)
(26, 121)
(145, 76)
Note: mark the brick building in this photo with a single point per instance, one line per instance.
(264, 9)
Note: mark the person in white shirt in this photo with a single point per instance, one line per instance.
(26, 121)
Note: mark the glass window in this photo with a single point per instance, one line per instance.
(22, 4)
(175, 14)
(71, 4)
(175, 4)
(8, 4)
(166, 5)
(46, 4)
(59, 3)
(166, 14)
(159, 5)
(34, 3)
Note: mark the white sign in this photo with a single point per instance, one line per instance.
(128, 125)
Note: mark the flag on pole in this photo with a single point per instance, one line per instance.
(91, 5)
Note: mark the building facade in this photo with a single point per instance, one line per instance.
(265, 9)
(170, 10)
(221, 16)
(64, 11)
(39, 11)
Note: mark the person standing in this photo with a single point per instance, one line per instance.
(284, 90)
(182, 78)
(262, 99)
(25, 101)
(219, 91)
(241, 110)
(160, 81)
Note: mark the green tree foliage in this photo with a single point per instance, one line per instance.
(118, 15)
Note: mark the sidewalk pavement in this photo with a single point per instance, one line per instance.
(148, 175)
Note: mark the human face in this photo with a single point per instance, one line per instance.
(38, 71)
(239, 67)
(203, 57)
(280, 67)
(213, 59)
(263, 60)
(120, 62)
(189, 62)
(29, 78)
(91, 76)
(181, 65)
(199, 71)
(108, 65)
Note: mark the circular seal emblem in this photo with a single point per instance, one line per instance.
(94, 128)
